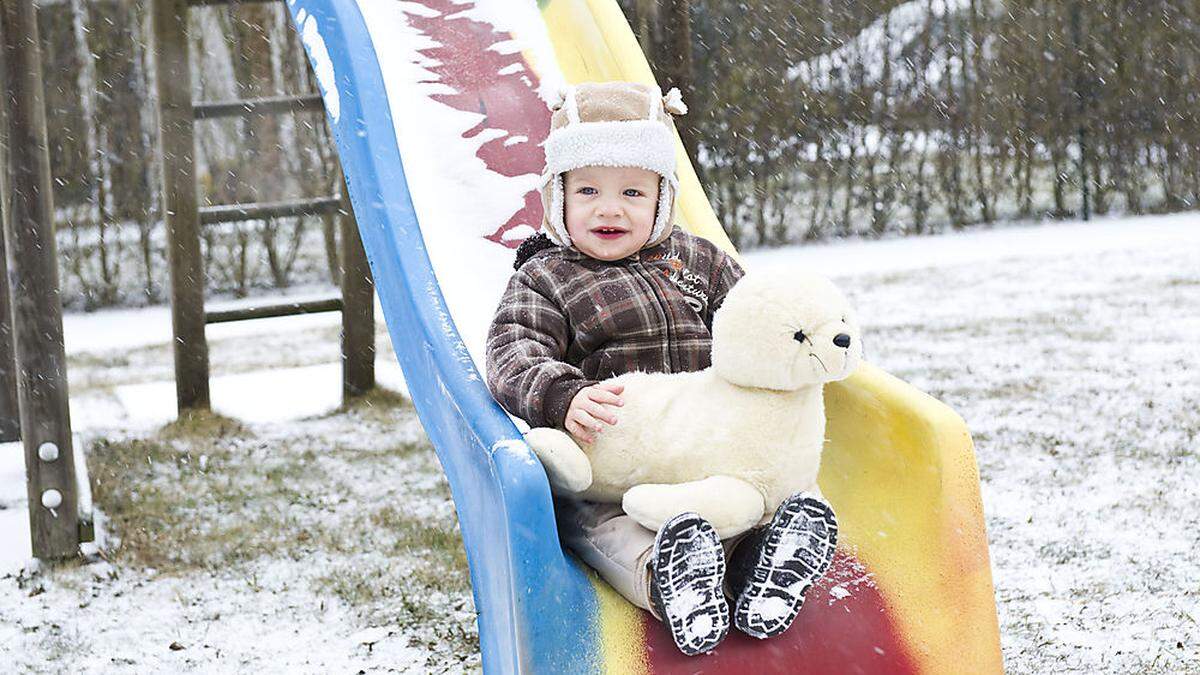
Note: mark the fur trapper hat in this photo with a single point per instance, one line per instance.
(611, 124)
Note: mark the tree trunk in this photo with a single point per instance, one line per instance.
(1027, 156)
(1060, 182)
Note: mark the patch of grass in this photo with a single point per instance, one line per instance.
(231, 355)
(204, 493)
(425, 563)
(1027, 388)
(405, 449)
(442, 544)
(370, 586)
(393, 594)
(194, 424)
(407, 593)
(62, 644)
(177, 507)
(89, 360)
(888, 279)
(378, 404)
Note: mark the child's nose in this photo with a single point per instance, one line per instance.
(610, 207)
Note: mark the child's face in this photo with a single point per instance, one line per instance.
(610, 210)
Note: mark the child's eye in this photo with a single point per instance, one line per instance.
(586, 190)
(633, 192)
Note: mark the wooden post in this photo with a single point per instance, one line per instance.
(10, 419)
(10, 416)
(177, 140)
(37, 307)
(358, 308)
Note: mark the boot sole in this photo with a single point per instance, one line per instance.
(689, 572)
(798, 549)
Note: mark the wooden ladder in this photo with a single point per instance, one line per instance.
(177, 114)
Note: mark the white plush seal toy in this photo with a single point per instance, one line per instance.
(730, 442)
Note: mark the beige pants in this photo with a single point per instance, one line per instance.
(614, 545)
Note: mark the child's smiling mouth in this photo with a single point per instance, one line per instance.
(609, 232)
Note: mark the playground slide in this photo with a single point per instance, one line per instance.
(438, 108)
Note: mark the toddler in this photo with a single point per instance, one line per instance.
(611, 286)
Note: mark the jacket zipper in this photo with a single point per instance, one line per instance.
(648, 277)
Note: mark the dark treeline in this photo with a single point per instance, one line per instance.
(809, 119)
(102, 126)
(830, 118)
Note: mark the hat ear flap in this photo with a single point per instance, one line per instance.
(664, 213)
(554, 210)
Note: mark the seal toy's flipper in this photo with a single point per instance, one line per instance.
(567, 467)
(730, 505)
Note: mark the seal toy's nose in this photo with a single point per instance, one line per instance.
(842, 340)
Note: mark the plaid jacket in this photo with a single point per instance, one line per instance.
(567, 321)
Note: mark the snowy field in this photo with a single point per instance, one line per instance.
(289, 535)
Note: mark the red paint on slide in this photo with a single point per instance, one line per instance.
(468, 63)
(844, 627)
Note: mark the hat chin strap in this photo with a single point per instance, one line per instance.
(557, 230)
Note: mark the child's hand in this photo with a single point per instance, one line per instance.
(591, 406)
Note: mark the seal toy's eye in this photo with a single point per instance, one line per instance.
(800, 336)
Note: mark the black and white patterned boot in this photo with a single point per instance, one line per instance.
(686, 580)
(773, 567)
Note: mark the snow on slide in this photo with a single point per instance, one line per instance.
(470, 169)
(439, 109)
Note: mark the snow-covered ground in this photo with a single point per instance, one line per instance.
(1073, 353)
(291, 536)
(297, 537)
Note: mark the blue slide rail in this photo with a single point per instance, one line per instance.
(535, 606)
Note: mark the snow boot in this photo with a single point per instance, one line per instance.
(687, 576)
(773, 567)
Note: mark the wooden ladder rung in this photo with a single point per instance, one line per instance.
(269, 311)
(232, 213)
(203, 3)
(274, 105)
